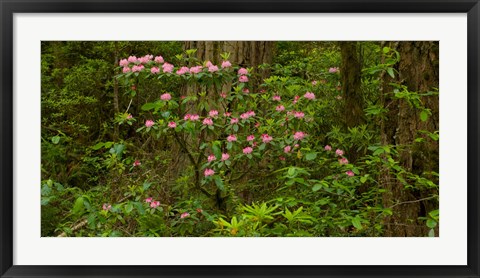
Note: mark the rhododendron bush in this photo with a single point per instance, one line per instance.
(208, 148)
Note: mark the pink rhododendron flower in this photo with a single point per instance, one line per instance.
(328, 148)
(227, 114)
(343, 161)
(299, 135)
(246, 91)
(250, 138)
(148, 200)
(242, 71)
(350, 173)
(126, 69)
(211, 158)
(231, 138)
(333, 70)
(247, 150)
(106, 206)
(129, 116)
(226, 64)
(159, 59)
(298, 114)
(132, 59)
(149, 123)
(208, 172)
(199, 210)
(296, 146)
(208, 121)
(280, 108)
(213, 68)
(266, 138)
(194, 117)
(245, 116)
(213, 113)
(154, 70)
(196, 69)
(257, 124)
(183, 70)
(154, 204)
(123, 63)
(166, 97)
(339, 152)
(185, 214)
(314, 82)
(282, 158)
(309, 95)
(187, 117)
(172, 124)
(167, 67)
(223, 95)
(276, 98)
(243, 79)
(295, 99)
(225, 156)
(208, 64)
(233, 121)
(287, 149)
(144, 59)
(137, 68)
(136, 163)
(251, 113)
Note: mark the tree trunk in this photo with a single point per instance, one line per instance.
(418, 71)
(351, 81)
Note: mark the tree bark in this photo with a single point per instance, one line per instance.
(418, 71)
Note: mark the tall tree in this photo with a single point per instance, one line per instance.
(418, 72)
(351, 81)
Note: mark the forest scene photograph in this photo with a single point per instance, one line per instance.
(239, 139)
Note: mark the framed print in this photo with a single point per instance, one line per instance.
(248, 139)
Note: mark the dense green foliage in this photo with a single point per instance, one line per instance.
(123, 153)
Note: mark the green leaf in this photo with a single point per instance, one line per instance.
(363, 179)
(98, 146)
(78, 206)
(235, 128)
(216, 149)
(431, 233)
(424, 115)
(146, 185)
(55, 139)
(390, 72)
(139, 207)
(386, 49)
(316, 187)
(378, 151)
(128, 208)
(219, 183)
(356, 223)
(310, 156)
(431, 223)
(149, 106)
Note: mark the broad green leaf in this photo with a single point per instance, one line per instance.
(98, 146)
(55, 139)
(146, 185)
(78, 206)
(310, 156)
(424, 115)
(356, 223)
(316, 187)
(390, 72)
(431, 223)
(219, 183)
(431, 233)
(363, 179)
(149, 106)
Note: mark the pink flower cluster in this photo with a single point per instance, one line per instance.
(299, 135)
(243, 75)
(266, 138)
(166, 97)
(208, 121)
(106, 206)
(184, 215)
(167, 68)
(333, 70)
(309, 95)
(153, 203)
(247, 115)
(231, 138)
(225, 156)
(226, 64)
(211, 158)
(247, 150)
(209, 172)
(193, 117)
(276, 98)
(136, 163)
(172, 124)
(149, 123)
(213, 113)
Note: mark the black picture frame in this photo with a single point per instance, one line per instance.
(9, 7)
